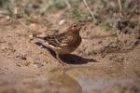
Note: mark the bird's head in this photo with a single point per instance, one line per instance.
(76, 27)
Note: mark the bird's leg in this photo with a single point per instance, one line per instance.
(58, 58)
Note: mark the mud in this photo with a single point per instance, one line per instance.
(106, 61)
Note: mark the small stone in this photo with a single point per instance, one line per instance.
(61, 22)
(3, 48)
(31, 36)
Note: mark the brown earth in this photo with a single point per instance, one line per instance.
(107, 61)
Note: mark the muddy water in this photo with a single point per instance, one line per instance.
(95, 77)
(87, 78)
(27, 68)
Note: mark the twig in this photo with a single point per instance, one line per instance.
(68, 4)
(88, 8)
(120, 5)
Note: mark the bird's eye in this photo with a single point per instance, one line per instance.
(74, 25)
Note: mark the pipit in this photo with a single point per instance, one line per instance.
(66, 42)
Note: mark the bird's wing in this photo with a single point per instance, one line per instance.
(56, 40)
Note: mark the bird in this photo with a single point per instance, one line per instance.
(66, 42)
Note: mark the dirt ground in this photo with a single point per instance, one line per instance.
(107, 61)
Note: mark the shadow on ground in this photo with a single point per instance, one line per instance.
(68, 58)
(74, 59)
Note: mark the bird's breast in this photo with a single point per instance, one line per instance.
(72, 44)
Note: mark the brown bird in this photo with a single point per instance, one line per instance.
(66, 42)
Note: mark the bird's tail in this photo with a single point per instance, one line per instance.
(37, 39)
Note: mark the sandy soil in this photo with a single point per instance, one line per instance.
(107, 61)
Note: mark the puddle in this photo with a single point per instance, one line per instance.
(88, 84)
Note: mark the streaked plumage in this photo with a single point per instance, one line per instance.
(67, 42)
